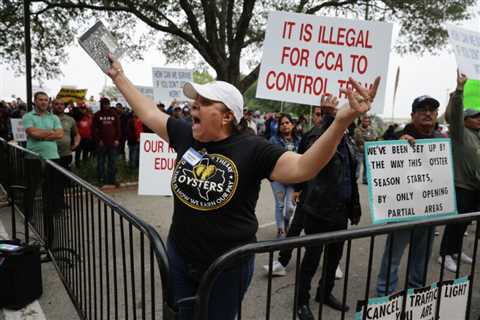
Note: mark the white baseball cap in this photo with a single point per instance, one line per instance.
(218, 91)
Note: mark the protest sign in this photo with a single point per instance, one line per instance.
(18, 130)
(471, 94)
(420, 304)
(157, 161)
(168, 84)
(466, 46)
(410, 182)
(117, 97)
(306, 56)
(72, 95)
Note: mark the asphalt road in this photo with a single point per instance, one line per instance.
(157, 210)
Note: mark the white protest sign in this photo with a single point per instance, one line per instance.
(118, 97)
(466, 45)
(18, 130)
(306, 56)
(157, 161)
(421, 303)
(168, 84)
(409, 183)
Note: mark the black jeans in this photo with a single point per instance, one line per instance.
(311, 259)
(294, 230)
(467, 201)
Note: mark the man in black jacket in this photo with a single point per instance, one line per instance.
(328, 201)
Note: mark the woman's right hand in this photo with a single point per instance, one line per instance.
(115, 67)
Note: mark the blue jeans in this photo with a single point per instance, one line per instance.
(283, 202)
(226, 295)
(133, 154)
(364, 169)
(421, 250)
(108, 153)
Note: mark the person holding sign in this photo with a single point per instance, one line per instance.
(217, 179)
(424, 117)
(464, 131)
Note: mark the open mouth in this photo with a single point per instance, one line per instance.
(195, 122)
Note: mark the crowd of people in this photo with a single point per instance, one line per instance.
(113, 133)
(313, 165)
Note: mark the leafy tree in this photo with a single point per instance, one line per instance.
(223, 33)
(202, 77)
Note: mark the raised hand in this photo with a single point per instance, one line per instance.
(359, 99)
(328, 101)
(461, 80)
(115, 67)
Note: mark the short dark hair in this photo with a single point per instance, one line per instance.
(104, 101)
(39, 93)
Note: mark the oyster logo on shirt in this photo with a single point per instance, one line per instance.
(208, 185)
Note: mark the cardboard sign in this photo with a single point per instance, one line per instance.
(421, 303)
(18, 130)
(157, 161)
(410, 183)
(471, 94)
(168, 84)
(74, 95)
(306, 56)
(466, 45)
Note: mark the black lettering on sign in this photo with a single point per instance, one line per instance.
(378, 164)
(419, 178)
(415, 162)
(376, 150)
(434, 208)
(399, 149)
(385, 182)
(396, 164)
(400, 212)
(382, 198)
(438, 161)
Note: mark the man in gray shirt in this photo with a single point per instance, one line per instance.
(71, 137)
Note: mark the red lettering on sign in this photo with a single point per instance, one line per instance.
(344, 37)
(328, 61)
(296, 83)
(153, 146)
(295, 56)
(164, 164)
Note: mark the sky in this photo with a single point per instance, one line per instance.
(432, 75)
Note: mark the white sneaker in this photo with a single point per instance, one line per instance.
(338, 273)
(277, 269)
(450, 264)
(463, 258)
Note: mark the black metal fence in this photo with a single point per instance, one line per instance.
(358, 283)
(113, 265)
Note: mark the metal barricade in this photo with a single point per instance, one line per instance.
(348, 285)
(112, 264)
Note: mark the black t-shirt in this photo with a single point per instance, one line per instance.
(215, 199)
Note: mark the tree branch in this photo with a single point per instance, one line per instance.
(246, 82)
(333, 3)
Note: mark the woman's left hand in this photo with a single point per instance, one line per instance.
(360, 99)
